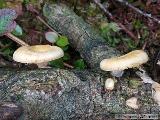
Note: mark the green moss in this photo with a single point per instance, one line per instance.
(134, 83)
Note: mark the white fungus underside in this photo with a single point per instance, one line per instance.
(130, 60)
(26, 55)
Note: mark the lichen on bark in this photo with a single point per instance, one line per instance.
(63, 94)
(82, 36)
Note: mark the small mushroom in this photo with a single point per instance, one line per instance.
(109, 84)
(132, 102)
(117, 64)
(51, 37)
(38, 54)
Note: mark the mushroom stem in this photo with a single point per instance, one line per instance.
(117, 73)
(17, 40)
(43, 65)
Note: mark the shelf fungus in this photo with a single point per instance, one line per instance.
(38, 54)
(132, 102)
(130, 60)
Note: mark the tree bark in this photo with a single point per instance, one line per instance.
(92, 47)
(61, 94)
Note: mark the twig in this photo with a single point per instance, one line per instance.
(97, 2)
(139, 11)
(17, 40)
(68, 65)
(40, 19)
(31, 8)
(144, 45)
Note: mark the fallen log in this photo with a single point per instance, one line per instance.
(92, 47)
(62, 94)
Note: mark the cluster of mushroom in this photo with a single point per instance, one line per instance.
(131, 60)
(117, 65)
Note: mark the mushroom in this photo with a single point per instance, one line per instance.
(51, 37)
(109, 84)
(38, 54)
(132, 102)
(117, 64)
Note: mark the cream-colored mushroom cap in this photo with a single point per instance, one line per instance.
(130, 60)
(37, 54)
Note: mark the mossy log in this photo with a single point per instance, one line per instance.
(58, 94)
(92, 47)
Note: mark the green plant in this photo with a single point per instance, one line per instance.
(62, 41)
(142, 30)
(2, 3)
(79, 64)
(108, 31)
(130, 43)
(137, 24)
(57, 63)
